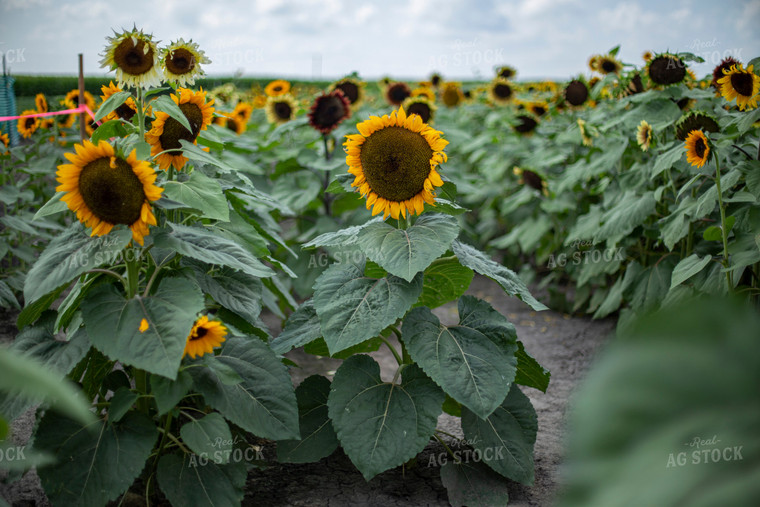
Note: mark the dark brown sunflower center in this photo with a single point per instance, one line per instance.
(174, 131)
(29, 123)
(283, 110)
(330, 111)
(502, 91)
(666, 70)
(526, 124)
(539, 110)
(506, 73)
(133, 59)
(421, 109)
(125, 112)
(608, 66)
(532, 179)
(277, 88)
(180, 61)
(742, 83)
(199, 333)
(700, 147)
(435, 80)
(350, 90)
(396, 162)
(113, 195)
(397, 93)
(576, 93)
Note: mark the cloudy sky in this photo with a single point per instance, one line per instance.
(401, 38)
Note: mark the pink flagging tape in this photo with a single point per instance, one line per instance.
(81, 109)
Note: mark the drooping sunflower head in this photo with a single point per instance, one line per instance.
(451, 94)
(608, 64)
(28, 125)
(424, 91)
(526, 124)
(281, 109)
(593, 63)
(71, 100)
(717, 73)
(394, 161)
(740, 84)
(243, 111)
(277, 87)
(134, 57)
(422, 106)
(695, 120)
(697, 148)
(204, 337)
(166, 132)
(500, 91)
(41, 103)
(181, 62)
(531, 179)
(633, 86)
(126, 111)
(396, 93)
(666, 69)
(328, 111)
(352, 88)
(576, 92)
(105, 189)
(644, 135)
(506, 72)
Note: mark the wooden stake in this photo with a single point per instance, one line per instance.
(82, 116)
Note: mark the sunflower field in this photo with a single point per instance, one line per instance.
(141, 260)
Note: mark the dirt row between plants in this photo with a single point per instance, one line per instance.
(565, 345)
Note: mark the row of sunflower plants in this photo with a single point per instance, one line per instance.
(151, 299)
(633, 190)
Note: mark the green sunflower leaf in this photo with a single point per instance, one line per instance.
(113, 324)
(195, 152)
(165, 104)
(68, 256)
(318, 438)
(192, 482)
(382, 425)
(209, 437)
(51, 207)
(111, 104)
(687, 268)
(445, 280)
(474, 361)
(301, 328)
(200, 192)
(83, 454)
(167, 393)
(529, 372)
(406, 252)
(505, 439)
(505, 277)
(201, 244)
(264, 403)
(353, 308)
(473, 484)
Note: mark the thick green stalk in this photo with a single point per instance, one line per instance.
(723, 228)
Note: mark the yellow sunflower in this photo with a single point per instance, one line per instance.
(585, 135)
(277, 87)
(27, 126)
(204, 337)
(66, 120)
(500, 91)
(394, 160)
(259, 101)
(424, 91)
(647, 56)
(697, 148)
(352, 88)
(644, 135)
(41, 102)
(243, 111)
(104, 189)
(740, 84)
(6, 142)
(451, 94)
(181, 62)
(134, 57)
(539, 108)
(71, 100)
(235, 123)
(593, 62)
(125, 111)
(281, 109)
(167, 132)
(506, 72)
(608, 64)
(421, 106)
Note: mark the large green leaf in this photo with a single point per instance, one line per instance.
(199, 192)
(629, 212)
(445, 280)
(301, 328)
(96, 463)
(201, 244)
(473, 485)
(474, 361)
(344, 237)
(264, 403)
(68, 256)
(190, 482)
(687, 268)
(318, 439)
(353, 308)
(111, 104)
(505, 439)
(529, 372)
(505, 277)
(113, 324)
(165, 104)
(406, 252)
(237, 291)
(167, 393)
(379, 424)
(208, 437)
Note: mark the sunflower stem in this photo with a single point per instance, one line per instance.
(133, 272)
(723, 228)
(113, 274)
(328, 154)
(141, 385)
(140, 113)
(393, 350)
